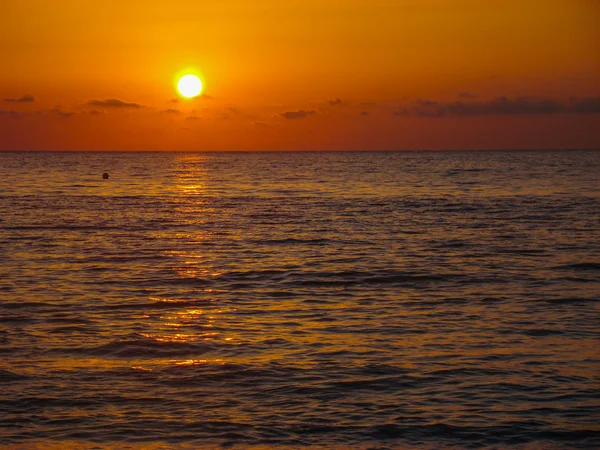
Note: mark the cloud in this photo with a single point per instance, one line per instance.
(11, 114)
(467, 95)
(114, 103)
(586, 105)
(192, 118)
(337, 101)
(297, 114)
(500, 106)
(95, 112)
(170, 111)
(364, 113)
(59, 112)
(24, 99)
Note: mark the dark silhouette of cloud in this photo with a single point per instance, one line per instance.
(364, 113)
(24, 99)
(64, 114)
(170, 111)
(297, 114)
(192, 118)
(500, 106)
(114, 103)
(95, 112)
(337, 101)
(467, 95)
(11, 114)
(586, 105)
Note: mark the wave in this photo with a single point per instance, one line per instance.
(294, 241)
(584, 266)
(9, 376)
(357, 278)
(142, 347)
(572, 300)
(24, 305)
(515, 433)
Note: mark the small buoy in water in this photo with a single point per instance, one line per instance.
(105, 176)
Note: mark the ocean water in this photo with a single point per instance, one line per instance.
(326, 300)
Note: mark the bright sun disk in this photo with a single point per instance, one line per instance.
(189, 86)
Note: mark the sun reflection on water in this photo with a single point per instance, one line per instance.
(178, 337)
(189, 261)
(191, 173)
(192, 316)
(198, 362)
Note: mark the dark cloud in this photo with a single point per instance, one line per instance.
(586, 105)
(500, 106)
(114, 103)
(364, 113)
(11, 114)
(337, 101)
(467, 95)
(95, 112)
(192, 118)
(170, 111)
(24, 99)
(297, 114)
(64, 114)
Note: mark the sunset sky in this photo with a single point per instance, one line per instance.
(300, 75)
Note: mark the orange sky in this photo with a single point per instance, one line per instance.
(300, 74)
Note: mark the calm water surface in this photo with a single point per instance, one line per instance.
(326, 300)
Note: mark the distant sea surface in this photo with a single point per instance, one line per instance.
(327, 300)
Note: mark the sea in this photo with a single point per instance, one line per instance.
(330, 300)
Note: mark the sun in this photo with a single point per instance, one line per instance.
(189, 86)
